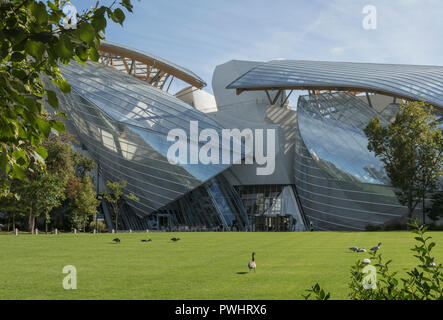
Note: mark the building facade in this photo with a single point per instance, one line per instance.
(123, 110)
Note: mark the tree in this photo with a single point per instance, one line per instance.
(115, 198)
(38, 193)
(46, 188)
(42, 188)
(8, 203)
(42, 195)
(83, 164)
(411, 149)
(59, 159)
(84, 203)
(35, 38)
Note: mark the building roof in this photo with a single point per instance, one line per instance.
(145, 66)
(412, 82)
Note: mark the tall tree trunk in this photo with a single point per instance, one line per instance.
(410, 210)
(13, 221)
(116, 221)
(31, 222)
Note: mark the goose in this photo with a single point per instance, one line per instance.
(175, 239)
(251, 264)
(361, 250)
(116, 240)
(146, 240)
(376, 248)
(353, 249)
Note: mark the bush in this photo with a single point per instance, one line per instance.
(99, 225)
(397, 226)
(393, 226)
(436, 227)
(423, 282)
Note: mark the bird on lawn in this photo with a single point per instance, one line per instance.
(361, 250)
(146, 240)
(377, 247)
(117, 240)
(251, 264)
(353, 249)
(175, 239)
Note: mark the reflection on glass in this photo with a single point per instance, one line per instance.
(342, 186)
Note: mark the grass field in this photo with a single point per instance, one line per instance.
(200, 266)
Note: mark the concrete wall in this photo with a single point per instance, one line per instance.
(252, 110)
(199, 99)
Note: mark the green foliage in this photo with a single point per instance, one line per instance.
(318, 292)
(83, 164)
(115, 197)
(84, 203)
(36, 194)
(33, 42)
(423, 282)
(392, 226)
(411, 148)
(98, 225)
(59, 157)
(43, 189)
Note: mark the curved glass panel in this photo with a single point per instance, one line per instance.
(332, 129)
(409, 81)
(124, 124)
(341, 185)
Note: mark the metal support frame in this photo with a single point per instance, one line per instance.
(172, 79)
(273, 101)
(369, 100)
(155, 78)
(286, 99)
(131, 68)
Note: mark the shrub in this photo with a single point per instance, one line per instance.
(393, 226)
(423, 282)
(436, 227)
(99, 225)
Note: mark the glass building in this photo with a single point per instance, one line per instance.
(122, 110)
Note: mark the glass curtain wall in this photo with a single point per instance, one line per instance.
(124, 124)
(342, 186)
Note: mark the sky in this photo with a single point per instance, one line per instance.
(201, 34)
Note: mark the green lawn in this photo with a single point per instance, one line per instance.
(200, 266)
